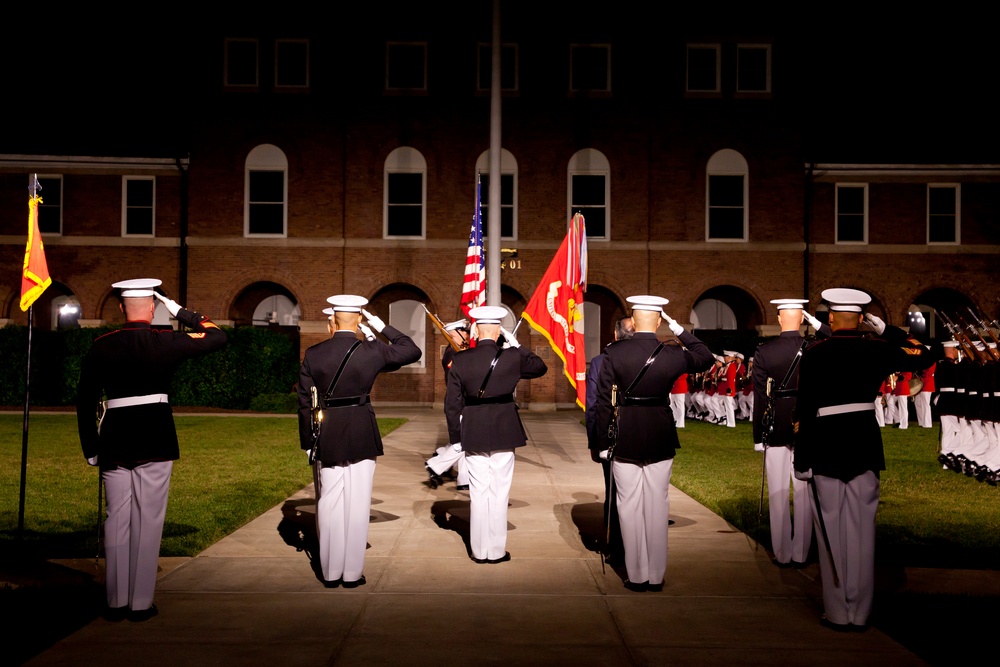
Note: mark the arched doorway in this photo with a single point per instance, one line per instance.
(727, 317)
(929, 313)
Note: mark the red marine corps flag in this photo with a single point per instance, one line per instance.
(35, 276)
(556, 308)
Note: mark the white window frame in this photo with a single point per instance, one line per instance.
(572, 61)
(718, 68)
(756, 47)
(265, 157)
(388, 65)
(508, 167)
(126, 206)
(589, 162)
(277, 65)
(836, 213)
(480, 88)
(42, 194)
(727, 162)
(225, 64)
(957, 187)
(404, 160)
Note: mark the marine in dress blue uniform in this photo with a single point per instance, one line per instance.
(839, 446)
(488, 427)
(647, 437)
(136, 442)
(349, 440)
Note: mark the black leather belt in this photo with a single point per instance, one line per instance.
(785, 393)
(644, 401)
(489, 400)
(346, 401)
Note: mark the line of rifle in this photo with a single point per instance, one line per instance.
(979, 327)
(966, 343)
(437, 322)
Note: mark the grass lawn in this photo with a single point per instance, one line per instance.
(927, 516)
(231, 470)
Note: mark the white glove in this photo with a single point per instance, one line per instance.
(369, 334)
(376, 323)
(876, 323)
(457, 446)
(603, 455)
(92, 461)
(813, 322)
(675, 328)
(758, 446)
(172, 306)
(509, 338)
(804, 475)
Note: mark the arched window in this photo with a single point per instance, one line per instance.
(265, 192)
(589, 192)
(726, 196)
(508, 192)
(405, 191)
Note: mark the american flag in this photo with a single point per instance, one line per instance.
(474, 286)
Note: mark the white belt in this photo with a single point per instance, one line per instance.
(961, 391)
(946, 389)
(846, 407)
(129, 401)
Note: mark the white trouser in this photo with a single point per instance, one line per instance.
(343, 511)
(677, 407)
(901, 411)
(644, 514)
(490, 477)
(975, 443)
(922, 405)
(791, 534)
(949, 434)
(729, 404)
(447, 457)
(849, 515)
(137, 506)
(880, 411)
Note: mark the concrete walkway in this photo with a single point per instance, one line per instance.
(253, 598)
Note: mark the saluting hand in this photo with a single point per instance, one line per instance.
(172, 306)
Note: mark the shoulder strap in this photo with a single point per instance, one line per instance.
(493, 365)
(794, 365)
(336, 378)
(642, 371)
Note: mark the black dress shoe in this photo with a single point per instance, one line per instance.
(461, 487)
(434, 479)
(655, 588)
(354, 584)
(140, 615)
(115, 614)
(636, 588)
(778, 563)
(836, 627)
(502, 559)
(332, 584)
(479, 561)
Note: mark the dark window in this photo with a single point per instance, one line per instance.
(139, 206)
(241, 62)
(752, 69)
(508, 67)
(725, 207)
(850, 214)
(702, 69)
(406, 67)
(942, 214)
(267, 202)
(506, 203)
(292, 63)
(50, 210)
(589, 200)
(591, 68)
(405, 204)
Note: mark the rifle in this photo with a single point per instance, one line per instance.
(317, 423)
(767, 423)
(437, 322)
(982, 325)
(968, 347)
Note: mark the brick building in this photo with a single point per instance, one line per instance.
(262, 165)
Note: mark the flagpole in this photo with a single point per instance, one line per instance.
(24, 431)
(493, 223)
